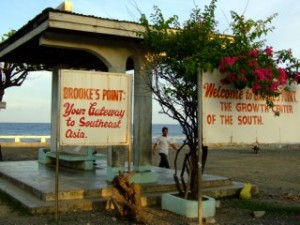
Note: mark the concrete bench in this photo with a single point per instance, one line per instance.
(77, 161)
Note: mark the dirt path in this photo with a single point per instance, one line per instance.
(275, 171)
(272, 170)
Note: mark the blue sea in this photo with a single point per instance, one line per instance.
(44, 129)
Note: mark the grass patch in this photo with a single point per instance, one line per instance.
(13, 205)
(255, 205)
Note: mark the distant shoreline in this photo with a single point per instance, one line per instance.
(24, 144)
(223, 146)
(160, 124)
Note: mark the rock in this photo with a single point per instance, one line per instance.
(210, 220)
(207, 221)
(258, 214)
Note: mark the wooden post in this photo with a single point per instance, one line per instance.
(2, 105)
(56, 183)
(1, 154)
(199, 85)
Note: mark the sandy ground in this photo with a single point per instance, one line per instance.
(276, 172)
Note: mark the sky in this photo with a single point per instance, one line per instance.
(31, 101)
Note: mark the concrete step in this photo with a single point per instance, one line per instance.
(33, 186)
(209, 181)
(22, 185)
(50, 196)
(26, 199)
(228, 190)
(36, 205)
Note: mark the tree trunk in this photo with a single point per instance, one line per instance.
(1, 94)
(189, 188)
(126, 198)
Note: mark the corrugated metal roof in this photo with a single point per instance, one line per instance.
(44, 15)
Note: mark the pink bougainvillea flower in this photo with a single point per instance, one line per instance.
(282, 76)
(253, 63)
(227, 62)
(265, 72)
(232, 78)
(230, 60)
(254, 53)
(269, 73)
(243, 71)
(260, 74)
(255, 88)
(296, 77)
(274, 87)
(269, 51)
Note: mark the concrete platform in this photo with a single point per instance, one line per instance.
(33, 185)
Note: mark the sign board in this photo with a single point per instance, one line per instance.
(94, 108)
(239, 117)
(2, 105)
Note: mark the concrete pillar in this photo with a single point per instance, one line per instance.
(142, 130)
(116, 155)
(54, 110)
(115, 160)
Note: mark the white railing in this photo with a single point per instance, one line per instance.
(17, 139)
(43, 139)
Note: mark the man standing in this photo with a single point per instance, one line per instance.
(163, 143)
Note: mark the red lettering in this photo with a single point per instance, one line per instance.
(250, 120)
(70, 110)
(112, 95)
(74, 134)
(211, 119)
(251, 107)
(226, 119)
(211, 91)
(93, 111)
(99, 123)
(97, 94)
(81, 93)
(283, 108)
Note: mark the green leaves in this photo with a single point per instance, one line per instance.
(248, 33)
(7, 35)
(185, 47)
(14, 74)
